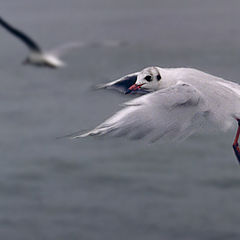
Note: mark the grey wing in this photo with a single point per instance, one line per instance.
(108, 43)
(173, 113)
(122, 84)
(65, 48)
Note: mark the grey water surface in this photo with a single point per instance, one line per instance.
(112, 189)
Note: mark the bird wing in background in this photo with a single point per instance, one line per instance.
(32, 45)
(65, 48)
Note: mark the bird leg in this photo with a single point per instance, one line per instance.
(235, 143)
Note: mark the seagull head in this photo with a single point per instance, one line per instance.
(147, 79)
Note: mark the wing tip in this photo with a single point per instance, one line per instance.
(100, 86)
(76, 135)
(83, 135)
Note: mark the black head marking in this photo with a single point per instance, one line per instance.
(148, 78)
(158, 77)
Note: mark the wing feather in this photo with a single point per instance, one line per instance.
(172, 113)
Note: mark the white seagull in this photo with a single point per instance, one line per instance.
(184, 101)
(38, 57)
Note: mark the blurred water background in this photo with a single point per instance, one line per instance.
(112, 188)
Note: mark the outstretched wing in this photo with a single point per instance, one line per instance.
(65, 48)
(22, 36)
(122, 84)
(174, 113)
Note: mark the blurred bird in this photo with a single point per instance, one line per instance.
(50, 58)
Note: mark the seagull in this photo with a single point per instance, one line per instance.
(38, 57)
(182, 101)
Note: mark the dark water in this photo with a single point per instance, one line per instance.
(112, 189)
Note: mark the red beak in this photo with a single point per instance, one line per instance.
(134, 87)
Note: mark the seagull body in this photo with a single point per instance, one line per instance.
(183, 101)
(37, 56)
(44, 59)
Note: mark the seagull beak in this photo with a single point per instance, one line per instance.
(134, 87)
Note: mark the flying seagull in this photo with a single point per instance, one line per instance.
(37, 56)
(182, 101)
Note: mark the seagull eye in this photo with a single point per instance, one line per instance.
(148, 78)
(158, 77)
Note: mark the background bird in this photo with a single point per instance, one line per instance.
(50, 58)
